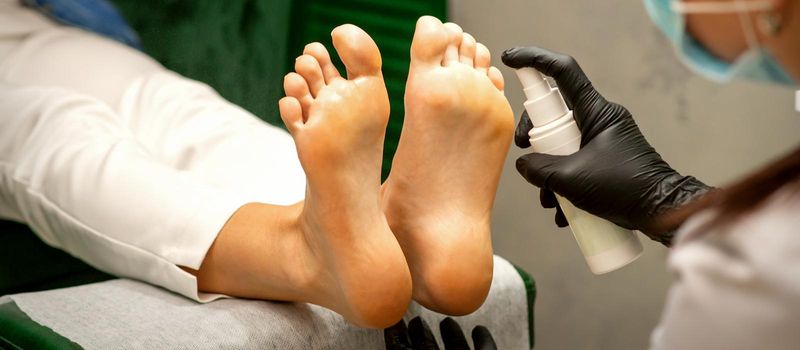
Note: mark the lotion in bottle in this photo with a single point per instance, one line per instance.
(605, 245)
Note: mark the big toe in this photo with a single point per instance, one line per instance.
(430, 40)
(358, 52)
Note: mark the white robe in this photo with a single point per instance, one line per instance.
(736, 286)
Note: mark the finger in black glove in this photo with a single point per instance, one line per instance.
(396, 337)
(421, 335)
(418, 336)
(482, 339)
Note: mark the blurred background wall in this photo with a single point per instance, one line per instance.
(717, 133)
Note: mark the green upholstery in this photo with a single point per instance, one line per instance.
(27, 264)
(238, 47)
(530, 293)
(18, 331)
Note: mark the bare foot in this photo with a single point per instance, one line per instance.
(338, 126)
(439, 195)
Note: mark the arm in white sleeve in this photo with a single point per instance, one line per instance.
(71, 170)
(738, 286)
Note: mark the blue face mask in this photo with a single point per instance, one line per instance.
(755, 64)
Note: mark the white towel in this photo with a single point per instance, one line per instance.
(127, 314)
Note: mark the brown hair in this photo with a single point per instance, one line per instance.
(742, 197)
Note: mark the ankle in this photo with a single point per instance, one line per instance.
(305, 274)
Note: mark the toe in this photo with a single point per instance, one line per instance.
(308, 67)
(358, 52)
(329, 71)
(454, 37)
(483, 59)
(430, 41)
(466, 52)
(497, 78)
(291, 113)
(295, 86)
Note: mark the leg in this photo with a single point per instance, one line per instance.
(334, 250)
(73, 59)
(188, 126)
(84, 184)
(354, 263)
(439, 195)
(72, 172)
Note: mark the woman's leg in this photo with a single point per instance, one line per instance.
(334, 249)
(187, 125)
(71, 171)
(83, 183)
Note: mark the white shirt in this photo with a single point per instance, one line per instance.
(737, 286)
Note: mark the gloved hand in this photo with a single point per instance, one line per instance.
(397, 337)
(616, 174)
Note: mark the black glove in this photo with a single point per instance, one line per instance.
(418, 336)
(616, 174)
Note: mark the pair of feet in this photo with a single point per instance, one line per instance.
(426, 231)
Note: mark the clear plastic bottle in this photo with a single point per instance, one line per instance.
(605, 245)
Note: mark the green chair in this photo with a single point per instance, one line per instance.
(242, 49)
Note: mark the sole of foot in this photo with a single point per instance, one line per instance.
(355, 265)
(440, 192)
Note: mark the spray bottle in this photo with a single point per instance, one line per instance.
(605, 245)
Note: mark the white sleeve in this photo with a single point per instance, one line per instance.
(736, 288)
(72, 172)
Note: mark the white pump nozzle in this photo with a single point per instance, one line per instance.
(545, 103)
(533, 82)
